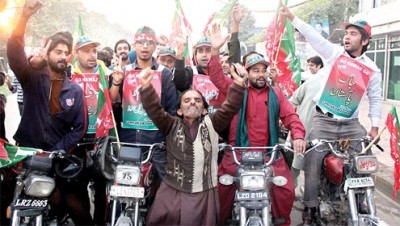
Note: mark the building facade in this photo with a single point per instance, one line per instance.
(384, 48)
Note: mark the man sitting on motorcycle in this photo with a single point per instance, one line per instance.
(337, 115)
(188, 194)
(54, 117)
(257, 125)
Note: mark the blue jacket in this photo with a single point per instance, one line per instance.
(38, 129)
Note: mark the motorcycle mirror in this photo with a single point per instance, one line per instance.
(226, 179)
(279, 180)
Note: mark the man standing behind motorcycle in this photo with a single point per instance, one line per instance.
(329, 122)
(188, 194)
(257, 125)
(55, 117)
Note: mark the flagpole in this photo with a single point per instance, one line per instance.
(280, 41)
(116, 130)
(374, 140)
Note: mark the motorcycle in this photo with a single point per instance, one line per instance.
(132, 189)
(35, 184)
(346, 191)
(255, 177)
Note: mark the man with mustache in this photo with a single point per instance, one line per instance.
(136, 127)
(352, 75)
(257, 125)
(54, 116)
(121, 50)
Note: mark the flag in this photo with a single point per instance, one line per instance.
(78, 31)
(11, 154)
(281, 51)
(105, 120)
(181, 28)
(393, 126)
(220, 17)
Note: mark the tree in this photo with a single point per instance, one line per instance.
(335, 11)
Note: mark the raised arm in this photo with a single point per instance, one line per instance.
(154, 110)
(234, 43)
(15, 46)
(321, 45)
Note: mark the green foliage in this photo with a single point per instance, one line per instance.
(256, 38)
(336, 11)
(56, 15)
(246, 26)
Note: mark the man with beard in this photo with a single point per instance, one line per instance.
(54, 116)
(257, 125)
(121, 50)
(197, 77)
(136, 126)
(351, 76)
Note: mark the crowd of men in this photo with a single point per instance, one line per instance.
(158, 98)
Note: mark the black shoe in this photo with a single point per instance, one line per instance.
(309, 215)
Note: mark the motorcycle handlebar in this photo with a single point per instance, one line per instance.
(287, 146)
(150, 150)
(318, 142)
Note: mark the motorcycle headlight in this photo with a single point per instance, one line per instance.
(128, 175)
(366, 164)
(39, 186)
(252, 180)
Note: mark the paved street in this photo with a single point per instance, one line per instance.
(388, 210)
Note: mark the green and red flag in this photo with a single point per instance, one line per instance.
(281, 51)
(78, 31)
(105, 119)
(181, 28)
(11, 154)
(220, 17)
(393, 126)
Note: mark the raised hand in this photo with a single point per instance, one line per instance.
(145, 77)
(284, 11)
(31, 7)
(239, 74)
(217, 39)
(118, 74)
(237, 14)
(38, 58)
(180, 47)
(162, 40)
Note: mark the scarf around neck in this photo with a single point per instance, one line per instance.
(242, 137)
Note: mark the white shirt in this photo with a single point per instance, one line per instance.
(303, 99)
(330, 52)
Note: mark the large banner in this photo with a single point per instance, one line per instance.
(90, 86)
(345, 87)
(133, 114)
(213, 97)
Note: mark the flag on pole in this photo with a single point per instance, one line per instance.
(78, 31)
(104, 120)
(220, 17)
(181, 28)
(393, 126)
(11, 154)
(281, 51)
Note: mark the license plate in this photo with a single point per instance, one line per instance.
(30, 203)
(360, 182)
(125, 191)
(251, 196)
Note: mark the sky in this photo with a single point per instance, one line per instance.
(158, 14)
